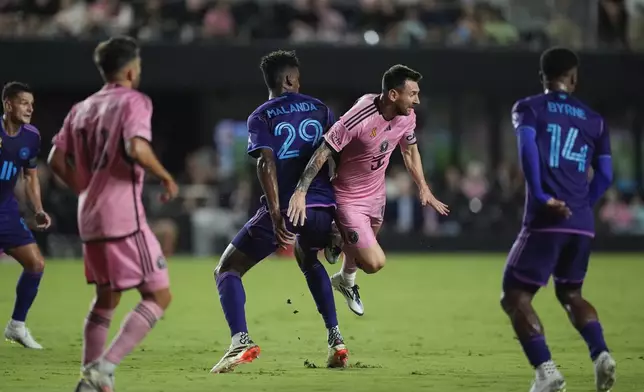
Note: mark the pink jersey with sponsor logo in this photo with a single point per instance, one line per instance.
(94, 135)
(366, 141)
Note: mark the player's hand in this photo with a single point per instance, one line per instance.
(282, 235)
(427, 198)
(559, 207)
(171, 190)
(297, 208)
(43, 221)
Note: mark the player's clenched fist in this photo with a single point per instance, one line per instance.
(297, 208)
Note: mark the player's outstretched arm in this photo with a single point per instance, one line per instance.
(297, 205)
(414, 165)
(32, 189)
(140, 150)
(267, 175)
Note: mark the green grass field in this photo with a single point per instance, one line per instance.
(432, 323)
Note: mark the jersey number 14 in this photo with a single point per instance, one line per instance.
(303, 130)
(556, 152)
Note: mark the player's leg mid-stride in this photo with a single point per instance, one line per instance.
(246, 251)
(228, 275)
(534, 257)
(361, 251)
(33, 265)
(99, 364)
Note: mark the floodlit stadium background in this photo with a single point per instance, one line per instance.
(432, 318)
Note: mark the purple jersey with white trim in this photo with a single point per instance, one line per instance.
(569, 136)
(292, 126)
(17, 152)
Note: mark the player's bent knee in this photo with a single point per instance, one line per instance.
(162, 297)
(106, 298)
(567, 295)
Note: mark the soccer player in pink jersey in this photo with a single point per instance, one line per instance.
(363, 140)
(102, 152)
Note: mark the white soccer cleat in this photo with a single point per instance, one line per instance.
(338, 355)
(604, 372)
(237, 355)
(351, 294)
(18, 333)
(548, 379)
(94, 378)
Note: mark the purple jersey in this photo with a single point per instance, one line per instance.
(569, 137)
(16, 152)
(292, 126)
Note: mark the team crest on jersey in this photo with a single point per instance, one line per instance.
(353, 237)
(161, 263)
(24, 153)
(373, 132)
(384, 145)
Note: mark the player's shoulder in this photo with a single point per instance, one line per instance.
(362, 110)
(590, 113)
(136, 97)
(31, 129)
(308, 98)
(528, 103)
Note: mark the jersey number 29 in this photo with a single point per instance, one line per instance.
(303, 131)
(556, 152)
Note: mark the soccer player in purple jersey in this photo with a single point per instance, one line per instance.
(102, 152)
(559, 139)
(19, 148)
(283, 133)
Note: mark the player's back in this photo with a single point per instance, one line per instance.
(294, 124)
(95, 132)
(566, 134)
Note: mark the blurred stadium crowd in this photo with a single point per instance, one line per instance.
(215, 200)
(574, 23)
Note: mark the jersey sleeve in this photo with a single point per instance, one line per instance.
(602, 145)
(63, 139)
(259, 135)
(32, 161)
(338, 136)
(523, 116)
(409, 137)
(137, 119)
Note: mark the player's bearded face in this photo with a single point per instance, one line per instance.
(407, 98)
(20, 108)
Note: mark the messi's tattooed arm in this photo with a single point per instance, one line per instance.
(319, 158)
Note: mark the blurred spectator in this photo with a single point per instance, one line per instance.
(218, 22)
(110, 17)
(612, 24)
(71, 20)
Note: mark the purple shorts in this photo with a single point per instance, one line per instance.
(537, 255)
(257, 239)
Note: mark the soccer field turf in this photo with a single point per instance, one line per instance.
(432, 322)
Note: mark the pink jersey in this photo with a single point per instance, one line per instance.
(94, 134)
(366, 140)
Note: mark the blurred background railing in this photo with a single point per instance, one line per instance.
(201, 70)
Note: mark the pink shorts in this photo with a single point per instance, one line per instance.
(126, 263)
(356, 223)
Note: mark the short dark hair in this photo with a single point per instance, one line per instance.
(12, 89)
(274, 64)
(396, 76)
(112, 55)
(557, 62)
